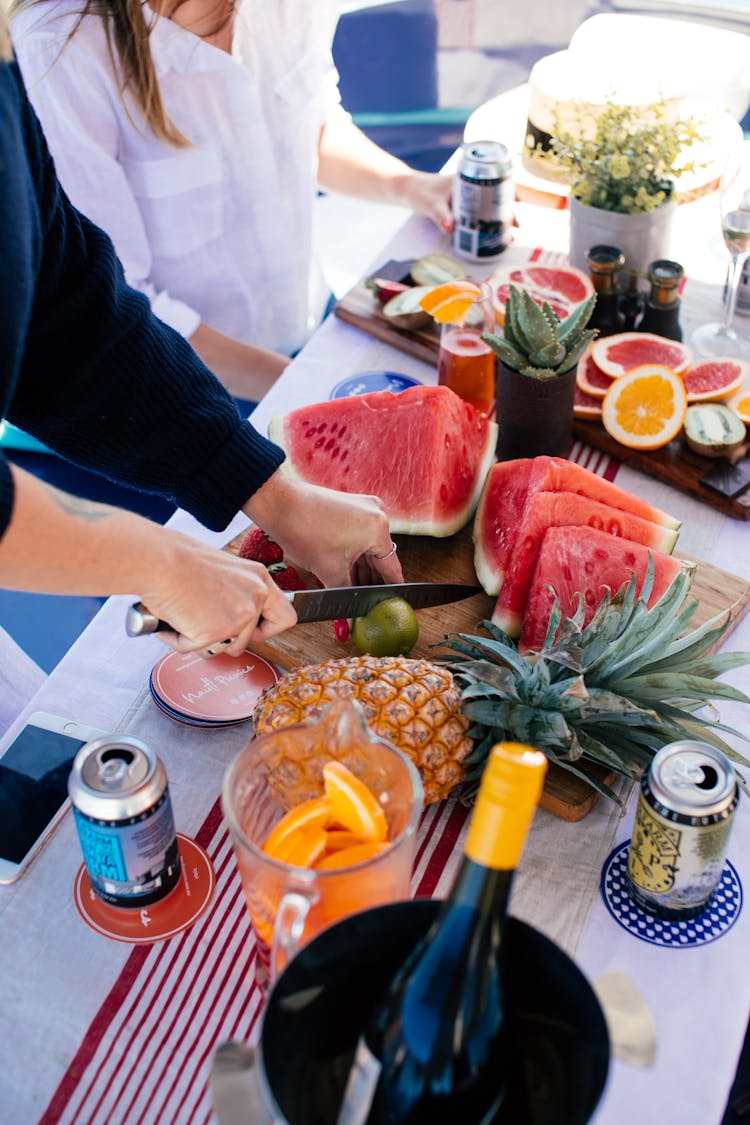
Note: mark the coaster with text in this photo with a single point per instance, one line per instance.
(210, 690)
(171, 915)
(719, 916)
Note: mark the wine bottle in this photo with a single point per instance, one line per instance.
(439, 1033)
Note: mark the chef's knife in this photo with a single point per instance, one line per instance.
(333, 603)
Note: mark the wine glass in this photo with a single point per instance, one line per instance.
(734, 202)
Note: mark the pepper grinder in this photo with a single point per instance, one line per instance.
(662, 312)
(605, 263)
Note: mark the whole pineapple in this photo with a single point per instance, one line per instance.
(612, 692)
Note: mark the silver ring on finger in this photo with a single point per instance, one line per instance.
(382, 558)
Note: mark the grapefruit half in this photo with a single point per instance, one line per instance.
(616, 355)
(563, 287)
(586, 406)
(590, 379)
(712, 380)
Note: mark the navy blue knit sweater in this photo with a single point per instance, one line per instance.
(86, 367)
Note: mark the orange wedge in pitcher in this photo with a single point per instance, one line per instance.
(308, 816)
(352, 804)
(350, 857)
(646, 408)
(449, 303)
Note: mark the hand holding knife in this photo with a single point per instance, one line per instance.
(331, 603)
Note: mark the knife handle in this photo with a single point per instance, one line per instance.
(139, 620)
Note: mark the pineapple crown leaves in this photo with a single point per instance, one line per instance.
(611, 692)
(535, 342)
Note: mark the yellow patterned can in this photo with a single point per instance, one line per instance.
(681, 831)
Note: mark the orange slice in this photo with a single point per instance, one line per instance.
(740, 403)
(338, 838)
(352, 804)
(305, 817)
(350, 857)
(304, 848)
(449, 303)
(645, 409)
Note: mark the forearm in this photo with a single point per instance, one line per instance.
(350, 163)
(59, 544)
(245, 370)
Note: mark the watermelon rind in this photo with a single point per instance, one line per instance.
(578, 563)
(424, 452)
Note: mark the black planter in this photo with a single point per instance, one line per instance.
(534, 416)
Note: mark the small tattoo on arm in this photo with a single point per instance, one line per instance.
(76, 506)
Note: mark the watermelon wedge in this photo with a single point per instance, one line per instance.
(506, 490)
(499, 512)
(425, 452)
(564, 509)
(581, 561)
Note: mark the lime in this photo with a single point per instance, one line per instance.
(390, 629)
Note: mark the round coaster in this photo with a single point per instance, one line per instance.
(211, 689)
(181, 907)
(718, 917)
(367, 381)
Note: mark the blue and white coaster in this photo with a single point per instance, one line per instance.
(718, 917)
(367, 381)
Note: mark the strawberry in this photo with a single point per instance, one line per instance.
(258, 547)
(286, 577)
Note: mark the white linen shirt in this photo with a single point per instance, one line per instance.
(220, 232)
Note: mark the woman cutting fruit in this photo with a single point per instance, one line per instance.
(196, 134)
(86, 367)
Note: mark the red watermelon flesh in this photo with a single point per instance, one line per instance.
(555, 474)
(425, 452)
(499, 512)
(577, 561)
(564, 509)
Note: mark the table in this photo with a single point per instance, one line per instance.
(100, 1031)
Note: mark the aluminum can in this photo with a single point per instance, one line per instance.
(120, 797)
(483, 199)
(681, 831)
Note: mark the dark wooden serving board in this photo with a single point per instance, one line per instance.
(452, 559)
(676, 464)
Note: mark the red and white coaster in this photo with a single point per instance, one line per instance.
(176, 912)
(210, 690)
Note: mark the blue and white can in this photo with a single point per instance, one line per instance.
(120, 796)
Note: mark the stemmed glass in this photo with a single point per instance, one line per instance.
(734, 202)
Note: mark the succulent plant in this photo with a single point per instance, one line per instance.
(536, 342)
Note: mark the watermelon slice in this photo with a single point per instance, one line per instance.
(506, 491)
(425, 452)
(563, 509)
(577, 561)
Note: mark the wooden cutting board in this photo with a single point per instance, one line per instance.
(452, 560)
(675, 464)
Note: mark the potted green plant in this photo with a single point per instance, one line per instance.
(622, 165)
(536, 375)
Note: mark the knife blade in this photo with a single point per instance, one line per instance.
(333, 602)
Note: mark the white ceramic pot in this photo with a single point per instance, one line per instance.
(642, 238)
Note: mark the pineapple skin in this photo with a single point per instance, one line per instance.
(414, 704)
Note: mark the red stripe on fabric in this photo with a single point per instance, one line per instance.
(120, 992)
(191, 1009)
(426, 830)
(114, 1000)
(155, 1043)
(611, 470)
(169, 951)
(443, 849)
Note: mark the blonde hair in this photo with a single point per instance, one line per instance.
(127, 36)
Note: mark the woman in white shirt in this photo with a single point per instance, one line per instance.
(197, 138)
